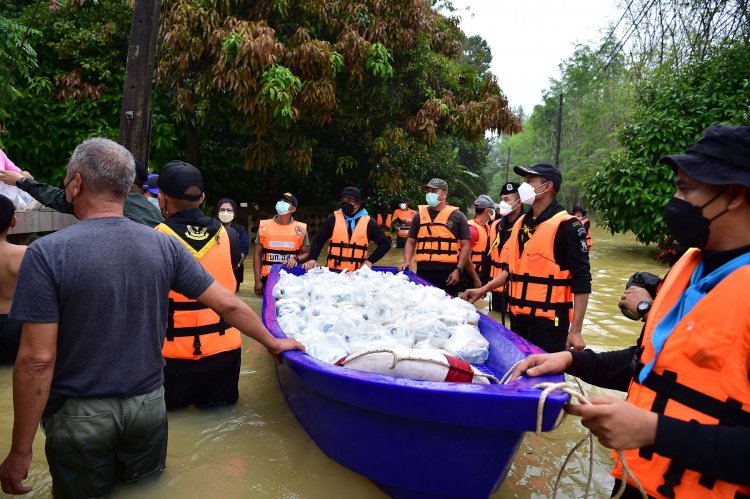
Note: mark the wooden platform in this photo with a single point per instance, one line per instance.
(42, 220)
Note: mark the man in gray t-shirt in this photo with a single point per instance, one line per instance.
(90, 361)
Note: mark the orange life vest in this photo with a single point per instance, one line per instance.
(403, 215)
(345, 252)
(700, 375)
(279, 242)
(538, 287)
(387, 225)
(195, 331)
(479, 250)
(588, 231)
(435, 242)
(496, 246)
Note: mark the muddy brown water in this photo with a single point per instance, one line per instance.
(257, 449)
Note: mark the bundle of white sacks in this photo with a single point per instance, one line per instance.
(337, 314)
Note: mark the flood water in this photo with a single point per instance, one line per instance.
(257, 449)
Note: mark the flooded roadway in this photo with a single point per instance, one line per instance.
(257, 449)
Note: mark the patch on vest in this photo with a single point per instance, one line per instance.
(196, 233)
(299, 230)
(584, 247)
(581, 232)
(277, 257)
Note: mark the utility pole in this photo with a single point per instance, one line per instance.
(507, 166)
(559, 132)
(135, 115)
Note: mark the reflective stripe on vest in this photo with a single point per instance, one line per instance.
(195, 331)
(479, 250)
(538, 287)
(435, 242)
(345, 252)
(403, 216)
(700, 375)
(279, 242)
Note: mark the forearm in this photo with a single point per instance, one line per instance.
(382, 248)
(472, 271)
(32, 380)
(495, 282)
(52, 197)
(257, 265)
(612, 370)
(409, 250)
(304, 254)
(464, 254)
(239, 315)
(580, 303)
(721, 452)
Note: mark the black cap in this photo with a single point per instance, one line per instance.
(404, 199)
(351, 192)
(720, 157)
(288, 196)
(176, 177)
(141, 173)
(509, 188)
(546, 170)
(436, 183)
(579, 208)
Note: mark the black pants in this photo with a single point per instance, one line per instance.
(400, 242)
(437, 277)
(206, 384)
(541, 332)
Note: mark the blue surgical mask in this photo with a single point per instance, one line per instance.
(154, 201)
(432, 199)
(282, 208)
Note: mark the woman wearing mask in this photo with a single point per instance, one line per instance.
(280, 240)
(227, 209)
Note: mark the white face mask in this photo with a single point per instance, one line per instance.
(402, 206)
(505, 208)
(527, 192)
(282, 208)
(226, 216)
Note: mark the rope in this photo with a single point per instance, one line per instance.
(548, 388)
(397, 359)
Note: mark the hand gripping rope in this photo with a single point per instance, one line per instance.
(566, 387)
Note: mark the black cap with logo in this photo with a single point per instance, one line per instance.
(176, 177)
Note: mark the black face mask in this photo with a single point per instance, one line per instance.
(687, 224)
(68, 204)
(347, 209)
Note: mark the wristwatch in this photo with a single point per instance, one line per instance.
(643, 307)
(20, 181)
(460, 270)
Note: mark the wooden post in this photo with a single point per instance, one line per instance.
(135, 115)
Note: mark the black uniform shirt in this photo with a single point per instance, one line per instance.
(374, 234)
(570, 248)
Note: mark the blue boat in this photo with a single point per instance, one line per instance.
(416, 438)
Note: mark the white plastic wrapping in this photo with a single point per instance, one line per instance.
(337, 314)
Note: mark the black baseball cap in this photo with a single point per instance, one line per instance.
(288, 196)
(546, 170)
(720, 157)
(351, 192)
(404, 199)
(176, 177)
(509, 188)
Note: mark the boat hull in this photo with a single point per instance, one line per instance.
(416, 438)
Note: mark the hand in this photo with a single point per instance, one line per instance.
(368, 263)
(472, 295)
(616, 423)
(543, 364)
(291, 263)
(14, 469)
(453, 278)
(574, 341)
(632, 297)
(283, 345)
(404, 266)
(10, 178)
(310, 264)
(258, 288)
